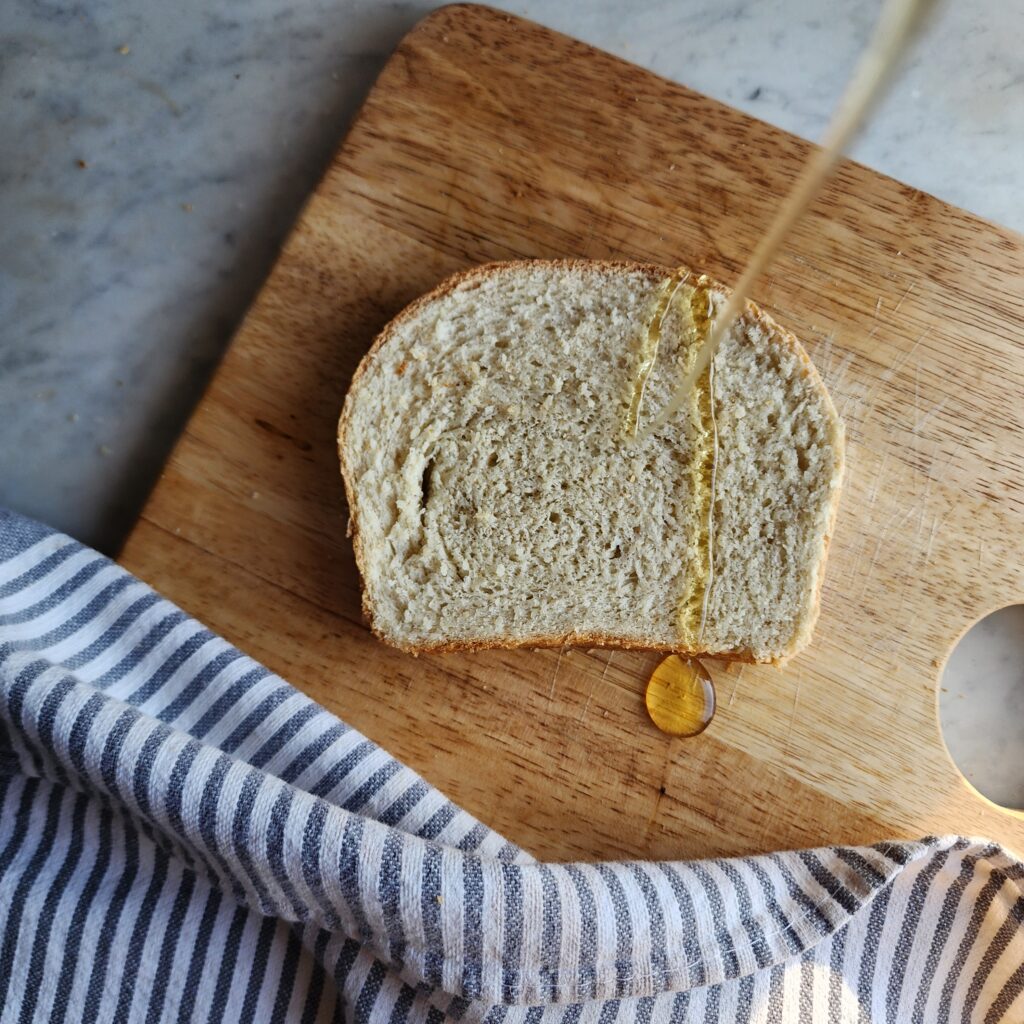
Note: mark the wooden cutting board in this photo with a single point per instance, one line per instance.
(487, 137)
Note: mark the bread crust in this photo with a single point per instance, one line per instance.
(655, 273)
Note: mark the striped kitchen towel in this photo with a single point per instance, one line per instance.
(185, 837)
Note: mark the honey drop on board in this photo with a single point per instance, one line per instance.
(680, 696)
(693, 313)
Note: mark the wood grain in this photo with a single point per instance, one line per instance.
(488, 137)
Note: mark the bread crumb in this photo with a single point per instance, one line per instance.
(124, 49)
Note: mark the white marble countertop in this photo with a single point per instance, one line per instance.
(155, 154)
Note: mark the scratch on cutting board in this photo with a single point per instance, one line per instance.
(607, 665)
(833, 369)
(931, 414)
(901, 633)
(851, 410)
(839, 376)
(792, 717)
(736, 685)
(910, 352)
(823, 353)
(892, 526)
(837, 382)
(937, 522)
(855, 572)
(895, 645)
(920, 522)
(847, 393)
(903, 299)
(554, 675)
(594, 686)
(586, 705)
(873, 496)
(920, 421)
(813, 267)
(887, 374)
(915, 437)
(917, 402)
(890, 371)
(949, 462)
(825, 344)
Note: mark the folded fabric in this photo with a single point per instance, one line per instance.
(184, 836)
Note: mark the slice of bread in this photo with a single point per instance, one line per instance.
(497, 499)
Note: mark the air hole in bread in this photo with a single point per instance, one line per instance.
(425, 482)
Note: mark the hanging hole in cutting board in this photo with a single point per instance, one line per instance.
(981, 706)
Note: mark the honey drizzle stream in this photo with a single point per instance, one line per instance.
(700, 574)
(649, 345)
(680, 695)
(710, 456)
(693, 608)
